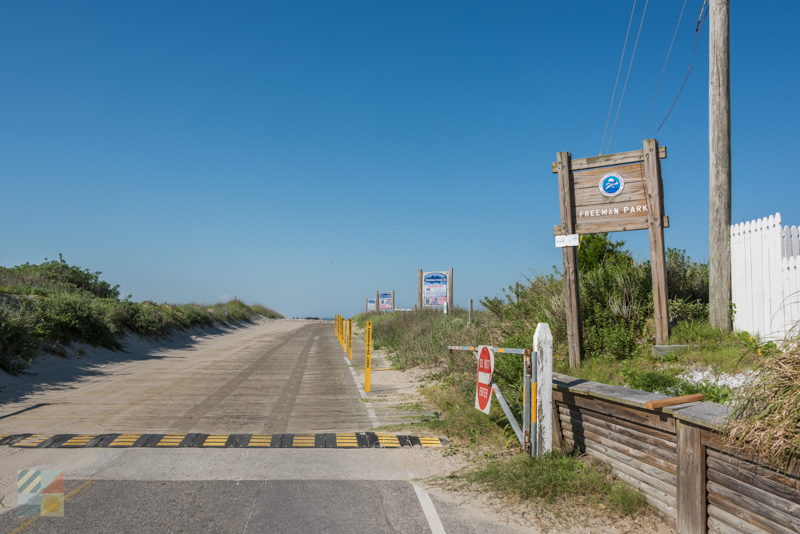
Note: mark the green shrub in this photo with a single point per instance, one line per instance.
(669, 383)
(53, 304)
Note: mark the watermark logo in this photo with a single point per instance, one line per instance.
(611, 185)
(40, 492)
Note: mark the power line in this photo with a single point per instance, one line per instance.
(628, 75)
(616, 81)
(697, 33)
(663, 70)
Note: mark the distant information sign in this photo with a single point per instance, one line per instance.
(386, 300)
(434, 288)
(371, 305)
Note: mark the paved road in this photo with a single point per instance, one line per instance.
(274, 377)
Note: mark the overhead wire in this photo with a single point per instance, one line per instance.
(663, 70)
(616, 81)
(628, 75)
(697, 32)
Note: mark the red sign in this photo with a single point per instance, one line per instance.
(483, 392)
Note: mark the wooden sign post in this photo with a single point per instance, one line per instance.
(611, 193)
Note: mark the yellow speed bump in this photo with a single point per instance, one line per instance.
(388, 440)
(260, 440)
(125, 440)
(216, 440)
(32, 441)
(303, 440)
(430, 442)
(79, 441)
(346, 440)
(171, 440)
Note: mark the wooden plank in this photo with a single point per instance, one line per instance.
(653, 437)
(617, 394)
(592, 227)
(702, 414)
(591, 429)
(658, 266)
(692, 518)
(583, 439)
(773, 476)
(569, 255)
(672, 401)
(558, 438)
(743, 507)
(788, 475)
(748, 476)
(731, 522)
(764, 497)
(620, 158)
(631, 414)
(649, 494)
(657, 478)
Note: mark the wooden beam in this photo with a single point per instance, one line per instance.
(619, 158)
(672, 401)
(719, 165)
(658, 267)
(692, 507)
(419, 290)
(598, 227)
(572, 301)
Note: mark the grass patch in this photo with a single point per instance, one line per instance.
(49, 306)
(558, 477)
(766, 416)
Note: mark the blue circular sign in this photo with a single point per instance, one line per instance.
(611, 185)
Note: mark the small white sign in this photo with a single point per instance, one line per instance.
(570, 240)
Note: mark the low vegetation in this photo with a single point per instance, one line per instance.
(48, 306)
(558, 477)
(766, 416)
(618, 340)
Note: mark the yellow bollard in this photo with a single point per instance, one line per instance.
(367, 355)
(350, 339)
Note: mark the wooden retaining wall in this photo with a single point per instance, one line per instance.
(676, 458)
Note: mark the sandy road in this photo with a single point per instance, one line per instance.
(277, 376)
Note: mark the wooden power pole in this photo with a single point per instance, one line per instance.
(719, 179)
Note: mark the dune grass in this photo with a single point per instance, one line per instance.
(766, 415)
(48, 306)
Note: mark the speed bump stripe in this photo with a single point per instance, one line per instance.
(125, 440)
(342, 440)
(260, 440)
(171, 440)
(303, 440)
(346, 440)
(79, 440)
(32, 441)
(216, 440)
(388, 440)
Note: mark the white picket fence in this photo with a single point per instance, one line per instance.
(765, 276)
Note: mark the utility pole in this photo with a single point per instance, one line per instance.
(719, 168)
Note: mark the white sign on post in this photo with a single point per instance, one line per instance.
(483, 391)
(571, 240)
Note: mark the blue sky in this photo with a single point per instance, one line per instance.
(305, 154)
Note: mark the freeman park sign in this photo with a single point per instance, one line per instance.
(611, 193)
